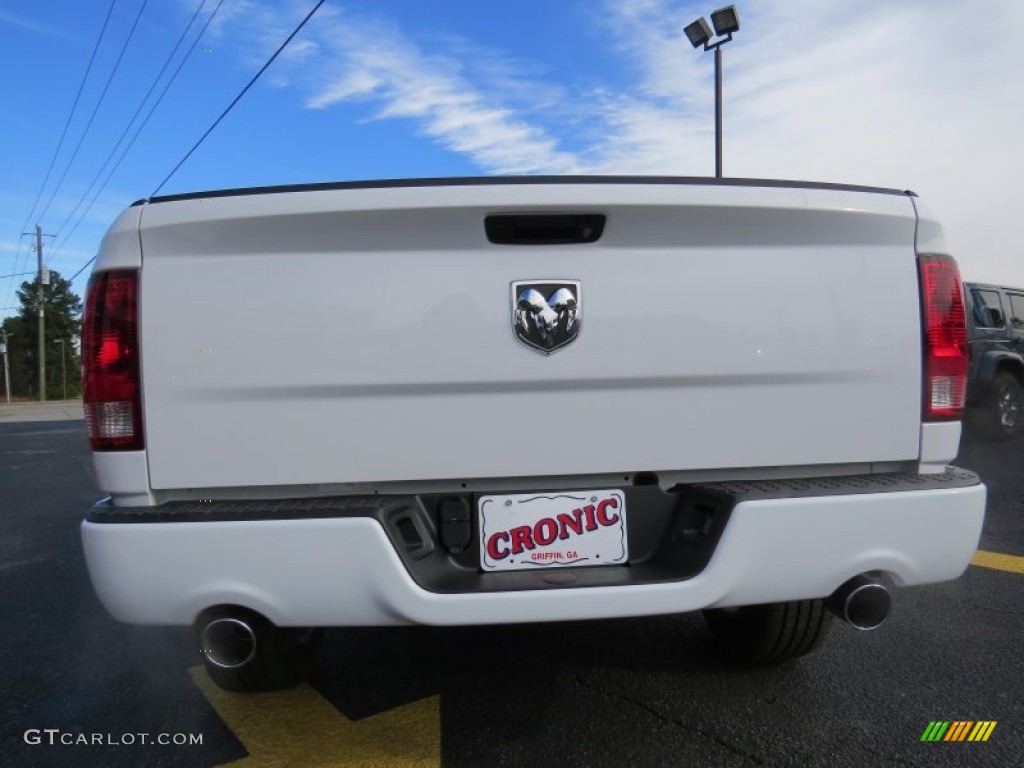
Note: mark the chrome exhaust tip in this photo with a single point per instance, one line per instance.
(228, 642)
(861, 602)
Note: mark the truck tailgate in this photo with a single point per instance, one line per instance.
(363, 335)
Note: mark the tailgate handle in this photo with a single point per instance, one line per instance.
(544, 228)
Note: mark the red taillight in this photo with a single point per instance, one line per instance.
(945, 338)
(110, 362)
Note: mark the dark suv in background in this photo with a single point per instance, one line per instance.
(995, 388)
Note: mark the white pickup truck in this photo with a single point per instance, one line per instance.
(504, 400)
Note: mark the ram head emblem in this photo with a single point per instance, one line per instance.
(546, 315)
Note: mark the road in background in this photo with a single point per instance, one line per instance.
(51, 410)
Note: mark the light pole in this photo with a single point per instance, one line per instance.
(63, 375)
(726, 21)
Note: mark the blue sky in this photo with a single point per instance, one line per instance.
(919, 94)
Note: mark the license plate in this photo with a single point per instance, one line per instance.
(552, 530)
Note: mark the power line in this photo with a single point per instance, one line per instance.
(131, 122)
(74, 106)
(135, 136)
(238, 97)
(60, 143)
(90, 261)
(208, 131)
(96, 109)
(17, 266)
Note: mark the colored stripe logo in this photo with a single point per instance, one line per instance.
(958, 730)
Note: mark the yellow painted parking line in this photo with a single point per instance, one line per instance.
(1010, 563)
(300, 727)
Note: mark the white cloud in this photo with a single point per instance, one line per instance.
(344, 58)
(7, 17)
(300, 51)
(12, 246)
(357, 84)
(888, 94)
(374, 62)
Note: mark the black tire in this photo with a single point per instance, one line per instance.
(770, 633)
(1004, 416)
(277, 659)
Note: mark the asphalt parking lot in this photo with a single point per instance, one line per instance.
(649, 692)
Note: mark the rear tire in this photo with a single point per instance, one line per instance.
(1004, 415)
(280, 657)
(771, 633)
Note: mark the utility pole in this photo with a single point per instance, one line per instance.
(42, 312)
(42, 318)
(7, 372)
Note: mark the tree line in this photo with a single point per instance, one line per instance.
(63, 327)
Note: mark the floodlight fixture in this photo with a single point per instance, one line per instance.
(726, 21)
(698, 33)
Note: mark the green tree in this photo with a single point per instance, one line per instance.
(63, 324)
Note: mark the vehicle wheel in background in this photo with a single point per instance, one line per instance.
(770, 633)
(1005, 415)
(243, 651)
